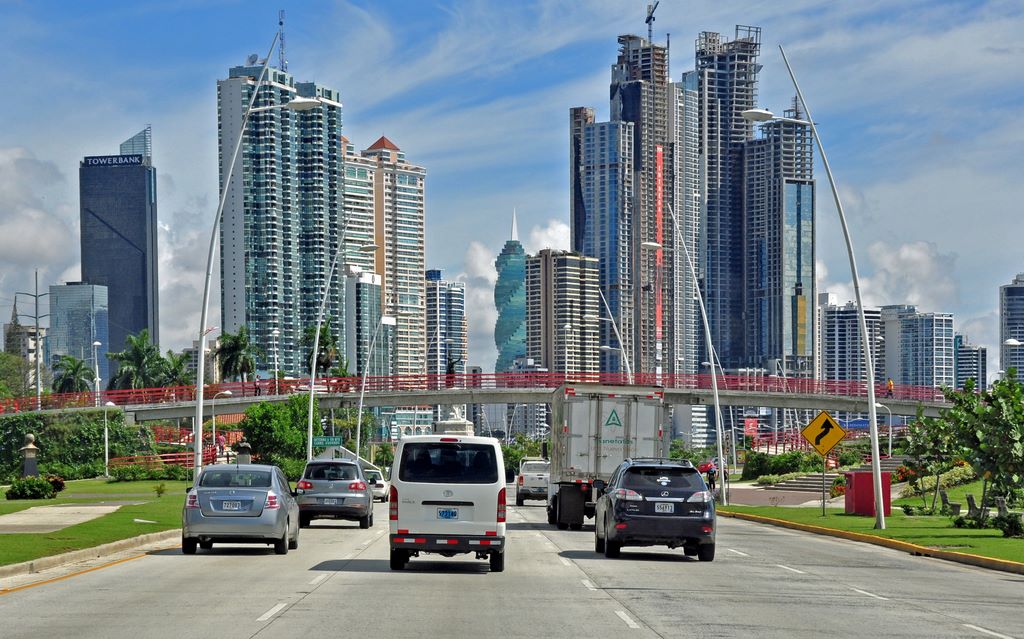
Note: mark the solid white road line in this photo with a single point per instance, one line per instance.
(986, 632)
(270, 613)
(588, 584)
(318, 580)
(799, 572)
(565, 561)
(629, 621)
(869, 594)
(741, 554)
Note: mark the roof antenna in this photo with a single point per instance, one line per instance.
(649, 21)
(282, 64)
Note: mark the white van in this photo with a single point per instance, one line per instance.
(448, 497)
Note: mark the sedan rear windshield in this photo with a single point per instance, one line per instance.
(233, 478)
(535, 467)
(448, 463)
(331, 472)
(653, 477)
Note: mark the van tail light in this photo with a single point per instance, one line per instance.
(393, 504)
(626, 494)
(304, 485)
(272, 502)
(501, 506)
(521, 480)
(193, 501)
(357, 485)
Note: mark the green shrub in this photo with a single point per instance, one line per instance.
(56, 481)
(160, 489)
(850, 458)
(771, 480)
(970, 522)
(794, 461)
(132, 472)
(1010, 524)
(955, 477)
(292, 468)
(31, 488)
(73, 471)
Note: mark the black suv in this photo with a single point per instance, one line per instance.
(655, 502)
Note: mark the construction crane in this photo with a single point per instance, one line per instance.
(282, 63)
(649, 20)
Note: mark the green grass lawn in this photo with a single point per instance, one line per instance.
(165, 511)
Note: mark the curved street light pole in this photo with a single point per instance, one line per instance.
(876, 468)
(618, 336)
(390, 321)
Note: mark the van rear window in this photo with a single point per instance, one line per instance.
(448, 463)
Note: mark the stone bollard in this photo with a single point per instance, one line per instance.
(28, 453)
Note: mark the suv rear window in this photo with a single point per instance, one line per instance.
(535, 467)
(330, 472)
(448, 463)
(232, 478)
(655, 477)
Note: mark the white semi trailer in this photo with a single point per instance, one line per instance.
(594, 428)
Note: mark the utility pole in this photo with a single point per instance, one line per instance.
(38, 340)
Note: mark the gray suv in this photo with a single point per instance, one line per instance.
(334, 489)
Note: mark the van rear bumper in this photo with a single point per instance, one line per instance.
(451, 544)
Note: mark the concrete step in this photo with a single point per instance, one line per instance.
(807, 483)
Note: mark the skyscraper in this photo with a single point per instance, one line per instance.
(363, 310)
(842, 352)
(282, 217)
(79, 316)
(918, 346)
(446, 325)
(1011, 325)
(562, 307)
(510, 300)
(399, 219)
(970, 362)
(23, 341)
(117, 198)
(779, 253)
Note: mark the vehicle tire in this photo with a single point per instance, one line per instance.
(519, 499)
(706, 552)
(281, 545)
(294, 543)
(371, 519)
(552, 520)
(578, 526)
(206, 545)
(398, 559)
(304, 520)
(598, 542)
(189, 545)
(612, 549)
(497, 562)
(365, 522)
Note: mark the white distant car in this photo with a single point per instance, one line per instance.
(317, 388)
(532, 481)
(378, 484)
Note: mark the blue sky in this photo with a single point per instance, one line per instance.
(918, 103)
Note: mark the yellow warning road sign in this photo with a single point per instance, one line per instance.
(823, 433)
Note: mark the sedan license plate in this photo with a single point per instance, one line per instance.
(447, 513)
(329, 501)
(231, 505)
(664, 507)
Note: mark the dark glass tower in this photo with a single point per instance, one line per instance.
(117, 195)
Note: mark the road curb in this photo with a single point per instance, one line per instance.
(991, 563)
(45, 563)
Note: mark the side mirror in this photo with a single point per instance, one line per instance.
(599, 486)
(187, 489)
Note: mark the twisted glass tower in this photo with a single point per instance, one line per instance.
(510, 300)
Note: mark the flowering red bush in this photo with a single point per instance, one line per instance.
(904, 473)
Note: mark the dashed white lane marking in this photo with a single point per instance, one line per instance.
(588, 584)
(987, 632)
(869, 594)
(270, 613)
(565, 561)
(799, 572)
(629, 620)
(318, 580)
(740, 553)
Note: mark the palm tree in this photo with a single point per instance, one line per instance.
(176, 372)
(237, 355)
(139, 364)
(72, 375)
(328, 346)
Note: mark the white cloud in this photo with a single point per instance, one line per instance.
(554, 235)
(480, 275)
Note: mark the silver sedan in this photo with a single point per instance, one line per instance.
(245, 503)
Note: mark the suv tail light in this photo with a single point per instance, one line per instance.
(303, 485)
(700, 496)
(501, 506)
(357, 485)
(627, 494)
(521, 480)
(272, 503)
(193, 501)
(393, 504)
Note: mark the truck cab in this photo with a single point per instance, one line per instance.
(532, 479)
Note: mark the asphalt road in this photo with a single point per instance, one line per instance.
(765, 582)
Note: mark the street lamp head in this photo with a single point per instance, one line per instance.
(605, 347)
(591, 318)
(275, 333)
(226, 393)
(1012, 342)
(299, 103)
(110, 405)
(567, 326)
(101, 344)
(368, 248)
(758, 115)
(650, 245)
(879, 405)
(388, 320)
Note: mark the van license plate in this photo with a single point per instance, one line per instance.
(447, 513)
(231, 505)
(664, 507)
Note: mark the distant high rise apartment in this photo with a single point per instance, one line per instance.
(970, 362)
(399, 219)
(1011, 325)
(842, 349)
(510, 300)
(447, 343)
(282, 218)
(211, 369)
(824, 300)
(117, 198)
(918, 346)
(562, 310)
(23, 341)
(79, 316)
(779, 241)
(358, 226)
(528, 419)
(363, 310)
